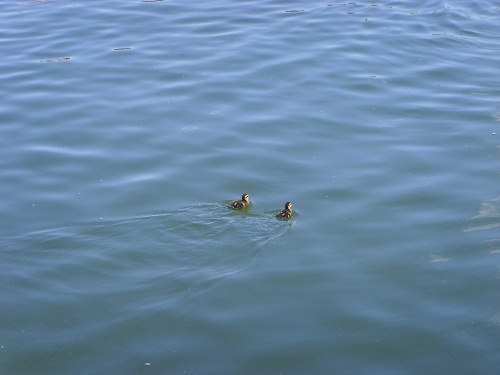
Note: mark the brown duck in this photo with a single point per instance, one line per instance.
(286, 213)
(241, 203)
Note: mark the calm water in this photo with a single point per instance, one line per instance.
(127, 126)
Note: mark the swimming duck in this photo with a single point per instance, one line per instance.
(286, 213)
(240, 204)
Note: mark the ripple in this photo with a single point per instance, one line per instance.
(185, 250)
(168, 103)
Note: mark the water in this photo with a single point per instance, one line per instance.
(128, 126)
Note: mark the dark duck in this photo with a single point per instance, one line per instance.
(286, 213)
(240, 203)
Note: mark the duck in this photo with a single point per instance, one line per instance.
(240, 203)
(286, 213)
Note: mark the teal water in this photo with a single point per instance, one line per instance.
(126, 127)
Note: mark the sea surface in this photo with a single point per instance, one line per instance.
(126, 127)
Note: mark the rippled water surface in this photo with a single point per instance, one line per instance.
(127, 127)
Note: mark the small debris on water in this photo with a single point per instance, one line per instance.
(59, 59)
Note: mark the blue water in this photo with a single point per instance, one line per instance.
(127, 127)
